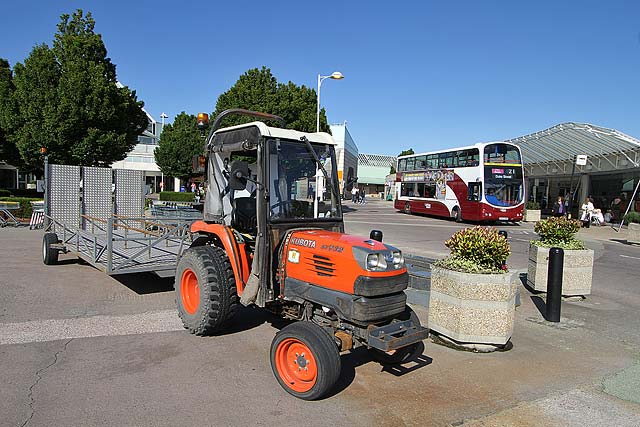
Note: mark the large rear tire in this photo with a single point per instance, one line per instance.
(49, 254)
(305, 360)
(404, 354)
(206, 293)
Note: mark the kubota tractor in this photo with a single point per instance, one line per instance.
(273, 236)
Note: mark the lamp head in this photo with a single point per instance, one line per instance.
(337, 75)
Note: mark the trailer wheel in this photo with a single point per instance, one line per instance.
(404, 354)
(206, 293)
(305, 360)
(49, 254)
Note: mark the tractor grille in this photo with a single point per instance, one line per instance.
(321, 265)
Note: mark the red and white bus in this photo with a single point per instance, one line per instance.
(483, 182)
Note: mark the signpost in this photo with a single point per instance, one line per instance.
(580, 160)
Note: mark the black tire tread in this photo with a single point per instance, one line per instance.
(325, 352)
(218, 293)
(51, 255)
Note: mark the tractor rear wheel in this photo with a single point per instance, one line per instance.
(49, 254)
(404, 354)
(206, 293)
(305, 360)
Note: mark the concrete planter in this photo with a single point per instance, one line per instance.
(634, 233)
(577, 274)
(472, 308)
(531, 215)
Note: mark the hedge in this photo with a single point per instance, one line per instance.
(25, 205)
(4, 193)
(173, 196)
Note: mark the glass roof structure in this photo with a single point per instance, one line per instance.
(562, 142)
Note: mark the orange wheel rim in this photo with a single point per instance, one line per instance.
(296, 365)
(189, 291)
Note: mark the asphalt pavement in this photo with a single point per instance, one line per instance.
(78, 347)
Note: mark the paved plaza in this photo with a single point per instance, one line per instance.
(78, 347)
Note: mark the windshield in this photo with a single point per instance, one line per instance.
(503, 185)
(295, 181)
(502, 153)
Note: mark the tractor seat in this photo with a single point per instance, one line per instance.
(244, 214)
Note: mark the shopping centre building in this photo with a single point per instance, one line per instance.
(612, 169)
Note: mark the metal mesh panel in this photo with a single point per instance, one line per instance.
(96, 193)
(129, 192)
(63, 196)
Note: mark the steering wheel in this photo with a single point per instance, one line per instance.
(286, 207)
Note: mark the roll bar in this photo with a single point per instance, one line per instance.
(243, 112)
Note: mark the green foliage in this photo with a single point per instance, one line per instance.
(69, 102)
(480, 247)
(532, 206)
(8, 116)
(392, 170)
(573, 244)
(4, 193)
(467, 266)
(25, 205)
(258, 90)
(632, 217)
(174, 196)
(179, 142)
(406, 152)
(557, 231)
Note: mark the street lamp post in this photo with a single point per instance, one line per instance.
(336, 75)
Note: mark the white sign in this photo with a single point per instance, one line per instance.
(581, 159)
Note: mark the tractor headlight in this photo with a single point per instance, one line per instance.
(375, 261)
(398, 259)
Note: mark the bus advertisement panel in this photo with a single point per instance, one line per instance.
(463, 184)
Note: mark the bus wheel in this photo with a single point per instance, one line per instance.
(407, 208)
(457, 214)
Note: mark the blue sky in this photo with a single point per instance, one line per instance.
(421, 74)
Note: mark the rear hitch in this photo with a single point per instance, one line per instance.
(395, 335)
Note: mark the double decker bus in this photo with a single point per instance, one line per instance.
(483, 182)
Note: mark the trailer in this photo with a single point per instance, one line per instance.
(98, 215)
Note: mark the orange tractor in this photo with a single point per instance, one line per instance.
(273, 236)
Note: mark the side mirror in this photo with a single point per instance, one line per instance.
(238, 175)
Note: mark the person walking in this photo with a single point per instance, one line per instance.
(558, 208)
(354, 194)
(362, 197)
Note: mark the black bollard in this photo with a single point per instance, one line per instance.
(554, 284)
(376, 235)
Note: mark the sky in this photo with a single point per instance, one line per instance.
(418, 74)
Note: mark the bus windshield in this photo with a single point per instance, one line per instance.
(503, 183)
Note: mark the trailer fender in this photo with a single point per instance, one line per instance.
(229, 244)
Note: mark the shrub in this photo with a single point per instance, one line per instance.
(25, 205)
(4, 193)
(173, 196)
(477, 250)
(632, 217)
(532, 206)
(558, 232)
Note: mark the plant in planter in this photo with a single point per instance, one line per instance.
(473, 294)
(633, 219)
(578, 260)
(531, 212)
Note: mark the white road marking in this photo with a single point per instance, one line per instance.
(629, 256)
(89, 327)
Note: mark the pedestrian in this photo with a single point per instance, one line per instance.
(193, 186)
(587, 212)
(161, 186)
(558, 209)
(354, 194)
(362, 197)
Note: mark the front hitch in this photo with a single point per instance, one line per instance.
(395, 335)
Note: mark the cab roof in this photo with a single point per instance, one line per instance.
(273, 132)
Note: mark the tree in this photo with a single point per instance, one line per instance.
(406, 152)
(70, 102)
(258, 90)
(179, 142)
(8, 116)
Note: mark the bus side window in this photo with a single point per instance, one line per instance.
(474, 191)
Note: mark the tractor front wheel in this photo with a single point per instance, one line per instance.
(205, 287)
(305, 360)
